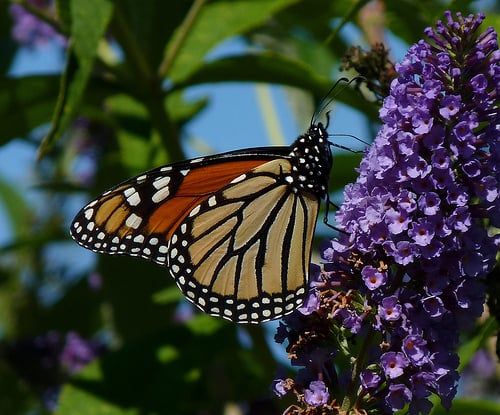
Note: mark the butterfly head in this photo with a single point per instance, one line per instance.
(312, 160)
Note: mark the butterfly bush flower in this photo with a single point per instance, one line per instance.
(29, 30)
(406, 273)
(47, 361)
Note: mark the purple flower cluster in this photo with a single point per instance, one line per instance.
(46, 361)
(407, 273)
(29, 30)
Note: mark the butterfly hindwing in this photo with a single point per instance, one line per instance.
(243, 253)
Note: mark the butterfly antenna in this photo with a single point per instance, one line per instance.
(326, 101)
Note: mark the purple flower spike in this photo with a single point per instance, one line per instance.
(407, 272)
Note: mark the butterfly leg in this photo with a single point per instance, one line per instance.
(329, 204)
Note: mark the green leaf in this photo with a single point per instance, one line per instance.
(76, 401)
(16, 209)
(140, 145)
(16, 397)
(278, 69)
(9, 318)
(168, 295)
(469, 406)
(203, 324)
(143, 28)
(63, 14)
(216, 22)
(467, 349)
(263, 67)
(25, 103)
(8, 48)
(89, 21)
(180, 110)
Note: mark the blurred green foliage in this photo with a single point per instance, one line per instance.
(128, 65)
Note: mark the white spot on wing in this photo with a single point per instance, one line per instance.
(134, 199)
(160, 195)
(133, 221)
(195, 211)
(129, 191)
(239, 178)
(161, 182)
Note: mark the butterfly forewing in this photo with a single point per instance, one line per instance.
(138, 217)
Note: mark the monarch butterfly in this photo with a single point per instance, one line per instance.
(235, 229)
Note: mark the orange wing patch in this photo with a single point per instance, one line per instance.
(196, 187)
